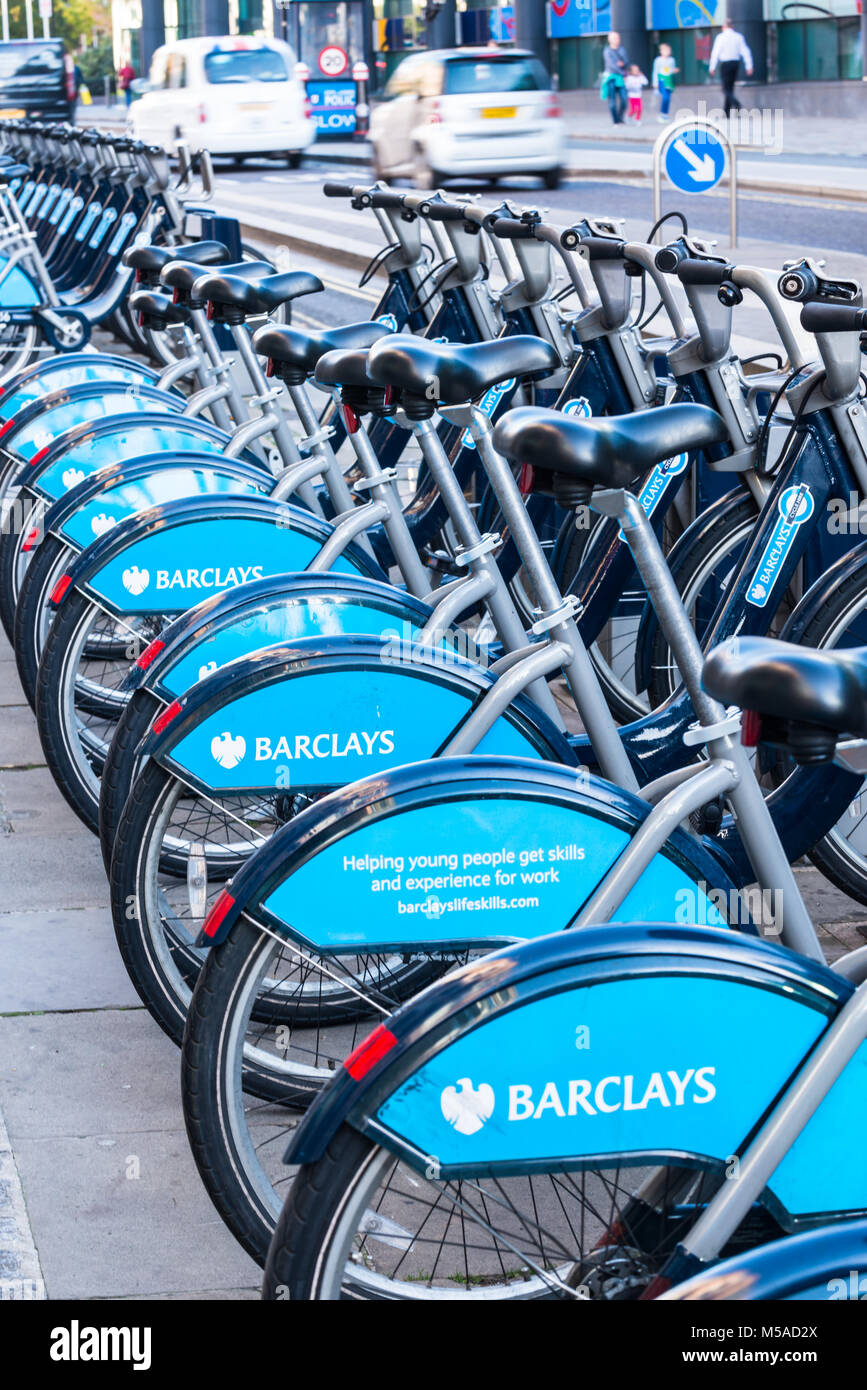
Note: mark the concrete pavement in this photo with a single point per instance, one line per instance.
(99, 1197)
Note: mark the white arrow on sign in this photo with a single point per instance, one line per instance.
(703, 169)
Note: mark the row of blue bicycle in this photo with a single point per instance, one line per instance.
(399, 667)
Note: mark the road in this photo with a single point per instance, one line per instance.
(817, 225)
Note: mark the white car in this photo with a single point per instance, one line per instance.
(468, 111)
(232, 96)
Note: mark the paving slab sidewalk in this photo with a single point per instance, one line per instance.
(99, 1196)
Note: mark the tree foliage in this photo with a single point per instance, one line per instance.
(71, 19)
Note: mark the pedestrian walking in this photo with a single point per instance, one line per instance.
(635, 81)
(729, 48)
(615, 63)
(662, 78)
(125, 79)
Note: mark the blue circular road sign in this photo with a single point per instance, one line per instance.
(694, 159)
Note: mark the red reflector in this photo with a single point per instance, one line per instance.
(150, 653)
(751, 728)
(7, 427)
(388, 395)
(60, 587)
(138, 277)
(30, 540)
(350, 420)
(526, 480)
(368, 1053)
(163, 720)
(209, 313)
(176, 295)
(214, 920)
(141, 320)
(39, 455)
(269, 367)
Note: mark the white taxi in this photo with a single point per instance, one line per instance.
(233, 96)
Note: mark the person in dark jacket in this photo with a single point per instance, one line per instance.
(615, 65)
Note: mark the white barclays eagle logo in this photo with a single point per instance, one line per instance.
(72, 477)
(101, 523)
(134, 580)
(467, 1109)
(228, 751)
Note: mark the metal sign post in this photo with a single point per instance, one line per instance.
(695, 153)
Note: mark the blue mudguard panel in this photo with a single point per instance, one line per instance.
(216, 630)
(461, 850)
(98, 444)
(66, 370)
(317, 715)
(168, 558)
(43, 422)
(608, 1043)
(108, 497)
(827, 1264)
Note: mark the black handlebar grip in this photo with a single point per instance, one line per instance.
(386, 199)
(833, 318)
(601, 248)
(695, 272)
(511, 229)
(443, 212)
(337, 190)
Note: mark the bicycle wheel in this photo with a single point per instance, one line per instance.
(842, 853)
(267, 1026)
(121, 766)
(359, 1224)
(158, 910)
(86, 656)
(33, 611)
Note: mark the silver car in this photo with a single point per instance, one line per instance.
(468, 112)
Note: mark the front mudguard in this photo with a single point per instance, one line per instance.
(163, 560)
(611, 1046)
(458, 853)
(39, 425)
(272, 612)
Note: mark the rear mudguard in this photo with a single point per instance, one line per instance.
(69, 369)
(97, 443)
(828, 1264)
(314, 715)
(39, 423)
(608, 1046)
(270, 612)
(107, 497)
(170, 557)
(454, 854)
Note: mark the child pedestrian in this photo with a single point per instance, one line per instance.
(662, 78)
(635, 80)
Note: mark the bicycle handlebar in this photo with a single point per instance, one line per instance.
(833, 318)
(696, 272)
(338, 190)
(512, 229)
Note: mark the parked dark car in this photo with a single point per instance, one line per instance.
(37, 76)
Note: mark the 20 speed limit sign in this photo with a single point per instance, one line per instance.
(333, 61)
